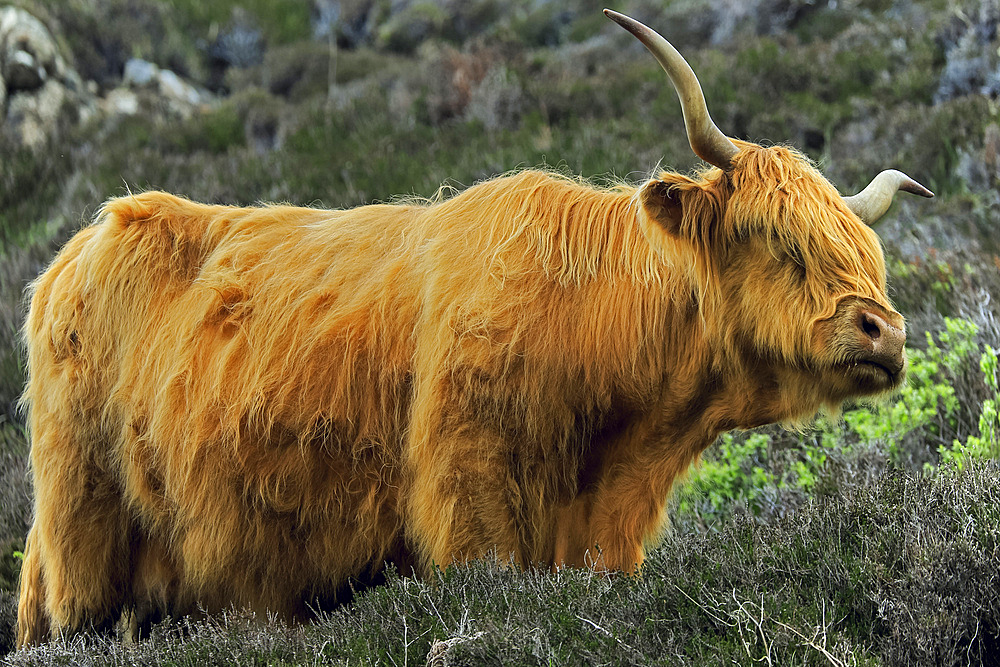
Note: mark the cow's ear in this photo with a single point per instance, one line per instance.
(662, 205)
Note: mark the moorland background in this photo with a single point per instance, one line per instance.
(869, 540)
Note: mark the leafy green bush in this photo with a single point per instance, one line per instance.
(987, 443)
(926, 414)
(732, 473)
(922, 426)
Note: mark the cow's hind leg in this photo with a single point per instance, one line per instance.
(78, 554)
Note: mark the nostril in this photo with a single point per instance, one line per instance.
(872, 325)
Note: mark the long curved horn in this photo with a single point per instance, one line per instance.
(872, 202)
(707, 140)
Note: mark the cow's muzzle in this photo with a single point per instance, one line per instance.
(872, 340)
(881, 341)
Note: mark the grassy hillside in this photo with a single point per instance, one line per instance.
(869, 539)
(902, 571)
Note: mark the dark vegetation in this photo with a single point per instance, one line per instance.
(902, 571)
(869, 538)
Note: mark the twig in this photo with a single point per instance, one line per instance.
(609, 634)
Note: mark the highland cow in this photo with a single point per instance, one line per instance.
(250, 406)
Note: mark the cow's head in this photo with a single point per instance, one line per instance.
(789, 275)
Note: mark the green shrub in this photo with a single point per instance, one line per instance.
(733, 473)
(987, 443)
(927, 402)
(921, 426)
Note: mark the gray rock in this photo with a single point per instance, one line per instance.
(40, 95)
(25, 47)
(120, 102)
(972, 61)
(177, 90)
(140, 73)
(179, 95)
(23, 72)
(34, 117)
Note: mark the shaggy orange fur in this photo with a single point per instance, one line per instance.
(251, 405)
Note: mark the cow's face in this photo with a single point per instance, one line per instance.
(788, 278)
(808, 276)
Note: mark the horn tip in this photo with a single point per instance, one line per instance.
(622, 20)
(907, 184)
(915, 188)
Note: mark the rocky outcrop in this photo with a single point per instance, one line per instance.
(41, 95)
(161, 90)
(28, 54)
(972, 59)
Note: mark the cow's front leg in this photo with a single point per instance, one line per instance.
(606, 529)
(629, 511)
(574, 544)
